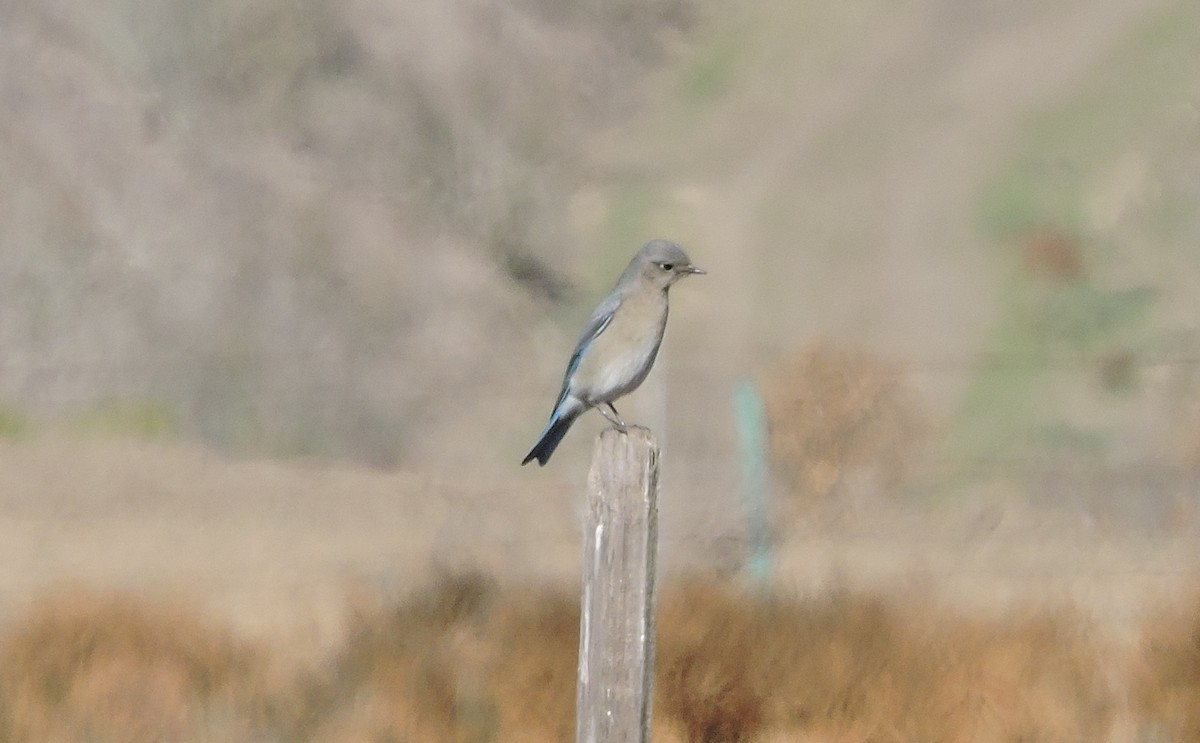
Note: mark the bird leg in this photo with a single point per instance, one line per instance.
(609, 412)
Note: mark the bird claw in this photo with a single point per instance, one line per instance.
(613, 417)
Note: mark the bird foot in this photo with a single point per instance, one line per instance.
(612, 416)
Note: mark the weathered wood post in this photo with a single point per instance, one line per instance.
(616, 633)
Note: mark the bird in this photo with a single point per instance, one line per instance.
(619, 343)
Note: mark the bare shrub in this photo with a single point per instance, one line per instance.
(835, 411)
(1052, 254)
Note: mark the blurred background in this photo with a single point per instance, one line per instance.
(287, 288)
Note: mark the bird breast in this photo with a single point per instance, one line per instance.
(622, 355)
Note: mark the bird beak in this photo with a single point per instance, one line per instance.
(696, 269)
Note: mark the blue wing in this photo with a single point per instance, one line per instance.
(599, 320)
(565, 412)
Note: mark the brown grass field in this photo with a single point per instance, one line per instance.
(217, 600)
(465, 661)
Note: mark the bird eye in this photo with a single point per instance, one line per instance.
(666, 266)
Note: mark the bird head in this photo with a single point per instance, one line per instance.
(662, 263)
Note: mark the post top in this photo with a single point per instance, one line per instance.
(624, 465)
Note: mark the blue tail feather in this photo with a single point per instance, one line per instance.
(560, 423)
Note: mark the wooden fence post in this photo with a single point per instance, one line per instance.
(616, 632)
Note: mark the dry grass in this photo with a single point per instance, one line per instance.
(460, 662)
(99, 667)
(833, 412)
(400, 673)
(852, 667)
(465, 661)
(1166, 675)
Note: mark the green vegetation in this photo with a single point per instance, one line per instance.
(142, 419)
(1064, 150)
(631, 213)
(1073, 320)
(711, 71)
(13, 423)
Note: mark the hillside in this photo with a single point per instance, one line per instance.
(368, 232)
(294, 228)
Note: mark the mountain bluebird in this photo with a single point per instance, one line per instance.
(619, 344)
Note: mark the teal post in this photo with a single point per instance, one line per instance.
(751, 420)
